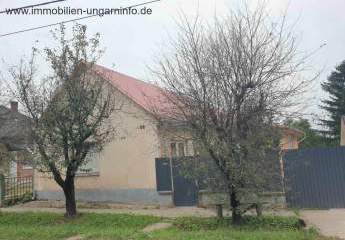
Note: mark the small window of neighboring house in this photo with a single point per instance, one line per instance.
(91, 163)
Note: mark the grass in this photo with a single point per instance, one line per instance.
(121, 226)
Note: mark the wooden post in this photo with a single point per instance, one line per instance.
(33, 184)
(2, 189)
(172, 180)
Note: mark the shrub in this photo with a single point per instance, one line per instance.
(251, 222)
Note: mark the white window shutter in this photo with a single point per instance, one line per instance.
(190, 148)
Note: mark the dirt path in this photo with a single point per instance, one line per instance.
(330, 223)
(157, 226)
(165, 212)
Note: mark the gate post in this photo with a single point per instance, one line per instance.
(33, 185)
(2, 189)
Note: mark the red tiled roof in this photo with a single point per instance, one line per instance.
(147, 95)
(293, 131)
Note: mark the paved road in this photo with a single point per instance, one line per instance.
(329, 222)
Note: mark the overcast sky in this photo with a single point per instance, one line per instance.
(131, 41)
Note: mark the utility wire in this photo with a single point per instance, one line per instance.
(71, 20)
(34, 5)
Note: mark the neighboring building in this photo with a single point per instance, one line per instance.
(128, 167)
(290, 138)
(14, 141)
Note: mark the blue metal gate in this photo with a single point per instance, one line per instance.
(315, 178)
(184, 190)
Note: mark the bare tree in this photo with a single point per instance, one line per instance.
(230, 82)
(70, 109)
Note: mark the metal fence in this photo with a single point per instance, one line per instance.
(15, 189)
(315, 178)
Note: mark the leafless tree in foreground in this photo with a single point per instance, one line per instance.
(230, 82)
(70, 109)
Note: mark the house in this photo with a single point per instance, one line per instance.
(131, 168)
(290, 138)
(14, 141)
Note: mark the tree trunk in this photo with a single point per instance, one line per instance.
(258, 208)
(71, 209)
(219, 208)
(236, 211)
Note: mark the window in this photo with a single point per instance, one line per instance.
(290, 142)
(173, 151)
(190, 148)
(181, 148)
(91, 163)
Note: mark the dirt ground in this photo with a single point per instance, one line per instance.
(330, 223)
(58, 207)
(167, 212)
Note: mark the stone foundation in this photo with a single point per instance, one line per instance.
(269, 199)
(132, 196)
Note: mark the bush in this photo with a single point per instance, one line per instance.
(251, 222)
(196, 224)
(273, 222)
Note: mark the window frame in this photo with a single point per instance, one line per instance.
(188, 143)
(95, 170)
